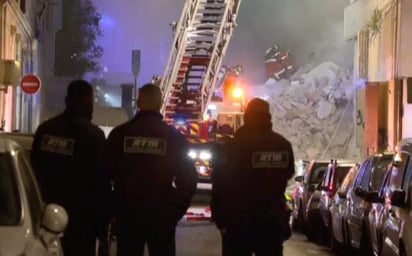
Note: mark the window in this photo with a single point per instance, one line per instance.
(385, 184)
(362, 172)
(348, 180)
(380, 167)
(366, 177)
(10, 204)
(397, 173)
(319, 170)
(340, 174)
(328, 175)
(31, 190)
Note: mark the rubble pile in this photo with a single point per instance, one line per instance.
(314, 110)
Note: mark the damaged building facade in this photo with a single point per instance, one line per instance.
(383, 71)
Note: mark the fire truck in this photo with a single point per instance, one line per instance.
(191, 85)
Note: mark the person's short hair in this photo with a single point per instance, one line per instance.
(78, 89)
(150, 97)
(257, 111)
(257, 105)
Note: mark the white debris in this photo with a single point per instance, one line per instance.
(325, 108)
(309, 109)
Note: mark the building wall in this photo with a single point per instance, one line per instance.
(371, 118)
(404, 67)
(407, 109)
(394, 121)
(405, 39)
(388, 62)
(17, 43)
(381, 49)
(53, 89)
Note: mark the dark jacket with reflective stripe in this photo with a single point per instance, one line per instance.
(245, 191)
(154, 177)
(67, 157)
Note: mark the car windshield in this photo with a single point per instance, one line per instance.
(348, 180)
(319, 170)
(380, 166)
(340, 174)
(10, 212)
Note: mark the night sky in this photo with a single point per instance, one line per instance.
(307, 27)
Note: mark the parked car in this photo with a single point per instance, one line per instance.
(375, 215)
(27, 225)
(306, 185)
(369, 180)
(313, 219)
(396, 216)
(339, 211)
(331, 181)
(25, 140)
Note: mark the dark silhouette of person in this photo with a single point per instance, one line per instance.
(67, 156)
(154, 179)
(250, 175)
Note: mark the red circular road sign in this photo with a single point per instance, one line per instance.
(30, 84)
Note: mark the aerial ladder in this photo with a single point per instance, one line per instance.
(201, 39)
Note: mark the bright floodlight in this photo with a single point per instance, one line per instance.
(237, 92)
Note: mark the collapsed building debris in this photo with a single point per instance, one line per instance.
(314, 110)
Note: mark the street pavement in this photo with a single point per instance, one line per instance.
(203, 239)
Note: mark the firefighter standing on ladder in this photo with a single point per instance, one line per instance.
(154, 179)
(249, 181)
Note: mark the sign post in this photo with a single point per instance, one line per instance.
(30, 84)
(135, 70)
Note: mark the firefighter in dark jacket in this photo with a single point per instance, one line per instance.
(154, 179)
(67, 156)
(249, 181)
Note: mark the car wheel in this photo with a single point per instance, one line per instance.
(347, 239)
(365, 246)
(402, 251)
(335, 245)
(301, 216)
(311, 233)
(297, 223)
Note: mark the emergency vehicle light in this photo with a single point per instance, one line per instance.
(205, 155)
(180, 122)
(237, 92)
(212, 107)
(192, 154)
(202, 155)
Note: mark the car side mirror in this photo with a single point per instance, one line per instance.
(398, 198)
(55, 218)
(299, 178)
(359, 192)
(372, 197)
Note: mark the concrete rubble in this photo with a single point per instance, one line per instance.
(314, 110)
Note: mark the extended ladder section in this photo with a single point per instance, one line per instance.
(201, 39)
